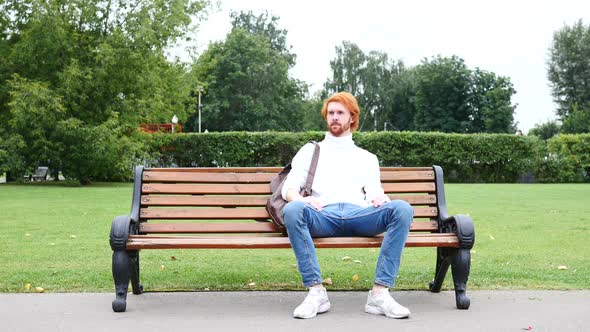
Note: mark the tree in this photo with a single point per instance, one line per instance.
(578, 121)
(382, 87)
(450, 97)
(442, 95)
(545, 130)
(247, 82)
(490, 101)
(265, 26)
(569, 69)
(97, 61)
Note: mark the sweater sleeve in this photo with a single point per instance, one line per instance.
(299, 169)
(373, 186)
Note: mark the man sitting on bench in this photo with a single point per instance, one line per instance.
(347, 200)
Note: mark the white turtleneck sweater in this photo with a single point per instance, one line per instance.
(345, 172)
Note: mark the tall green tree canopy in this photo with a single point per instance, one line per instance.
(98, 61)
(450, 97)
(569, 76)
(246, 78)
(440, 94)
(384, 88)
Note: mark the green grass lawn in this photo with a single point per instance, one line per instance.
(56, 237)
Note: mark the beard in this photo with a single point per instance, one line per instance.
(337, 129)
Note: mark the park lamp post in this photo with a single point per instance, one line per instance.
(200, 106)
(174, 122)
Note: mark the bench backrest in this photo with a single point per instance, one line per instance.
(232, 194)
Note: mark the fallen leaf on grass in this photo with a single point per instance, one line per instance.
(327, 281)
(162, 267)
(355, 278)
(357, 261)
(28, 286)
(346, 258)
(27, 234)
(73, 236)
(252, 284)
(39, 289)
(562, 267)
(491, 237)
(172, 258)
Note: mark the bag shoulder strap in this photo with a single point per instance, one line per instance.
(312, 168)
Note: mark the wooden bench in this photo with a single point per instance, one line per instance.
(237, 197)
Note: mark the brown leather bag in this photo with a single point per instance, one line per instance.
(276, 203)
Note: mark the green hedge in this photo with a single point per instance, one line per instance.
(464, 158)
(566, 158)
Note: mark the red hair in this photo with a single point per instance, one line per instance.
(349, 101)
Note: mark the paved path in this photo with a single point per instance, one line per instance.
(271, 311)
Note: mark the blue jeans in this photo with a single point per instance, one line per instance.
(303, 223)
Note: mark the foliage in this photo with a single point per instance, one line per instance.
(383, 88)
(100, 70)
(35, 112)
(571, 154)
(465, 158)
(546, 130)
(452, 98)
(246, 79)
(98, 153)
(569, 70)
(267, 27)
(490, 103)
(578, 121)
(440, 94)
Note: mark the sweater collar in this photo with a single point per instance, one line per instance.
(340, 142)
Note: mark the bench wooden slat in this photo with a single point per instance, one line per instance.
(259, 188)
(241, 227)
(411, 187)
(262, 169)
(414, 240)
(202, 177)
(206, 188)
(238, 213)
(155, 200)
(207, 177)
(397, 176)
(229, 201)
(217, 169)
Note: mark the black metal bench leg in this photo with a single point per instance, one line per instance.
(461, 264)
(443, 260)
(121, 267)
(135, 284)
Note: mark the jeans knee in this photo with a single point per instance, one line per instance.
(292, 211)
(402, 211)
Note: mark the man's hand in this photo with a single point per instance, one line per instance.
(314, 202)
(380, 200)
(293, 195)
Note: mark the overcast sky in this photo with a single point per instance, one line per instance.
(509, 38)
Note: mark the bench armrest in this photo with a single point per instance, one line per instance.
(461, 225)
(120, 229)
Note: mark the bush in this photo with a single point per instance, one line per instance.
(465, 158)
(98, 153)
(567, 159)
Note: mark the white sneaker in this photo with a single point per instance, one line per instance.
(316, 302)
(384, 304)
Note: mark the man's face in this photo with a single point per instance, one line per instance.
(338, 119)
